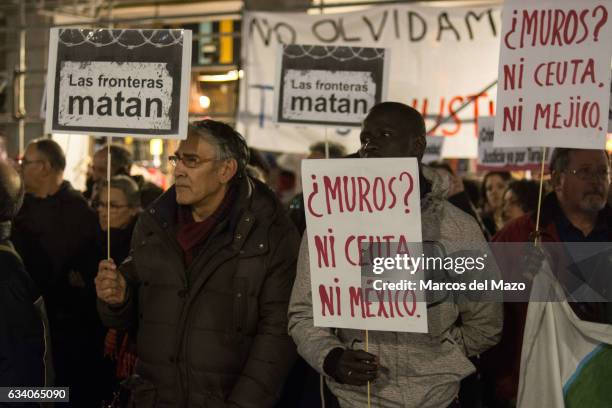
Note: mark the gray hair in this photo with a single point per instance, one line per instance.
(229, 144)
(559, 160)
(129, 188)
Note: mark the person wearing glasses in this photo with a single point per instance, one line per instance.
(575, 211)
(207, 283)
(125, 205)
(56, 233)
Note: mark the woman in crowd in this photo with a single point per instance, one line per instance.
(494, 185)
(119, 346)
(520, 198)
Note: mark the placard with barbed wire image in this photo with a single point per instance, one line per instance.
(119, 82)
(329, 85)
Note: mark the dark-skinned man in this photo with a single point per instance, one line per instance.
(208, 282)
(407, 369)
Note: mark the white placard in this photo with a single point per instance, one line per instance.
(119, 82)
(492, 158)
(554, 74)
(329, 85)
(353, 205)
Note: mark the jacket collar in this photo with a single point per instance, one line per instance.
(164, 209)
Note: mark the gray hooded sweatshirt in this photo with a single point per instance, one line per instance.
(417, 370)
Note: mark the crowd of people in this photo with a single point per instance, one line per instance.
(205, 299)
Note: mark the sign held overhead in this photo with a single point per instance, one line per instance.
(118, 82)
(554, 74)
(329, 85)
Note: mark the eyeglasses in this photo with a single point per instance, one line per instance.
(113, 206)
(189, 161)
(586, 174)
(24, 162)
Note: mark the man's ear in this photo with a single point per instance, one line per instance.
(227, 170)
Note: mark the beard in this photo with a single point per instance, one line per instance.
(593, 201)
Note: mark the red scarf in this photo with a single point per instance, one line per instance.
(192, 233)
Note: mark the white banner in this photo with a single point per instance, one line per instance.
(554, 74)
(356, 210)
(492, 158)
(440, 56)
(119, 82)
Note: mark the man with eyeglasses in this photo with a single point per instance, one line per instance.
(575, 211)
(56, 233)
(208, 283)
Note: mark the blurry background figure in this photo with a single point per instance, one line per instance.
(259, 166)
(296, 204)
(119, 345)
(124, 208)
(317, 151)
(457, 194)
(121, 164)
(492, 191)
(472, 189)
(57, 235)
(288, 176)
(24, 357)
(520, 198)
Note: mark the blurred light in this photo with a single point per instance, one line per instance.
(204, 102)
(129, 140)
(156, 147)
(232, 75)
(609, 142)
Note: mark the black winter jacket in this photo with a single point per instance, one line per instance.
(213, 334)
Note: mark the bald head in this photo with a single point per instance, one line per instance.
(11, 192)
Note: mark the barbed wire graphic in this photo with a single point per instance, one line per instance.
(127, 38)
(338, 53)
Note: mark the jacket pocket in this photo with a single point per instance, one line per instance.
(142, 392)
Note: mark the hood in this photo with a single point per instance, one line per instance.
(434, 199)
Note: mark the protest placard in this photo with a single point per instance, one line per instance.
(118, 82)
(354, 207)
(492, 158)
(554, 74)
(327, 84)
